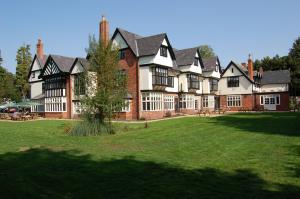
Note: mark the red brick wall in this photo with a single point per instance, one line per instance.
(188, 111)
(69, 97)
(130, 64)
(150, 115)
(284, 101)
(247, 102)
(56, 115)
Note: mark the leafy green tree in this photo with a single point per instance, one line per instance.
(206, 51)
(106, 89)
(24, 60)
(7, 85)
(294, 55)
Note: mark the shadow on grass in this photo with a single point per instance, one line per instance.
(295, 165)
(269, 123)
(42, 173)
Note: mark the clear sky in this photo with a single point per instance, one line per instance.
(233, 28)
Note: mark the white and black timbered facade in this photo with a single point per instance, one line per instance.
(161, 81)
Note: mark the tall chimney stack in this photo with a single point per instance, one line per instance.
(104, 30)
(40, 49)
(250, 67)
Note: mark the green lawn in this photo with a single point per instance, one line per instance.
(234, 156)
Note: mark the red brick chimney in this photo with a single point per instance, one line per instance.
(104, 30)
(250, 67)
(40, 49)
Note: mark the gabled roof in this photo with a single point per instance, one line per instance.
(40, 61)
(276, 77)
(210, 64)
(130, 38)
(150, 45)
(84, 62)
(186, 57)
(144, 46)
(64, 63)
(239, 68)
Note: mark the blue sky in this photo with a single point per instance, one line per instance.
(233, 28)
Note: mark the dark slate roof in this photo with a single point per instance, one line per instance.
(276, 77)
(84, 62)
(130, 39)
(144, 46)
(150, 45)
(185, 57)
(64, 63)
(209, 63)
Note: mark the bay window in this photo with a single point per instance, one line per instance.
(187, 101)
(193, 81)
(152, 101)
(234, 101)
(159, 76)
(169, 102)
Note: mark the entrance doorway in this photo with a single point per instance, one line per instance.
(217, 102)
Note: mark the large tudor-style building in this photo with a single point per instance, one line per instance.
(160, 80)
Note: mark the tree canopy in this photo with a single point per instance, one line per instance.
(24, 60)
(107, 96)
(206, 51)
(290, 62)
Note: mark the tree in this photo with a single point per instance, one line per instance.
(7, 85)
(106, 88)
(206, 51)
(24, 60)
(294, 55)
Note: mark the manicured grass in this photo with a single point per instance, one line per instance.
(234, 156)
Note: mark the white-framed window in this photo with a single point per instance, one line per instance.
(126, 107)
(169, 102)
(234, 101)
(205, 102)
(269, 99)
(152, 101)
(187, 101)
(55, 104)
(33, 74)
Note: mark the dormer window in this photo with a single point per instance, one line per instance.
(196, 61)
(217, 68)
(164, 51)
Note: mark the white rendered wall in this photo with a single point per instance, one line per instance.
(145, 78)
(206, 86)
(175, 88)
(77, 69)
(183, 85)
(274, 88)
(35, 89)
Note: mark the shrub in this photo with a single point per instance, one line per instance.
(91, 128)
(168, 114)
